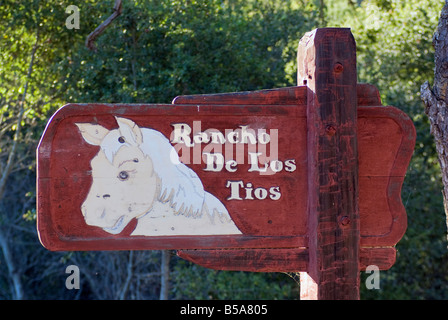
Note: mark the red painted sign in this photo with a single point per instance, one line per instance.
(207, 172)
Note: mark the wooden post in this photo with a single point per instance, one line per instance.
(327, 66)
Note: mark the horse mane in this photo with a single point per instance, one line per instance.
(180, 186)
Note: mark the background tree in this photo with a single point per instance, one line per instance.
(436, 98)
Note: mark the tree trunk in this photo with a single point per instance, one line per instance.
(165, 275)
(14, 274)
(436, 99)
(129, 274)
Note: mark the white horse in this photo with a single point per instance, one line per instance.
(137, 174)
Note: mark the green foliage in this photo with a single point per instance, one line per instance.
(153, 55)
(190, 281)
(158, 49)
(394, 49)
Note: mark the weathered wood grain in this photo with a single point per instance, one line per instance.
(327, 65)
(278, 259)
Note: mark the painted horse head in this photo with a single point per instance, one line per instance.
(124, 183)
(135, 168)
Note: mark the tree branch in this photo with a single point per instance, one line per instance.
(125, 288)
(17, 290)
(100, 29)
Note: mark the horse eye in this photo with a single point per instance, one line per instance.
(135, 160)
(121, 140)
(123, 175)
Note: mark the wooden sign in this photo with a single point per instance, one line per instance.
(91, 189)
(281, 179)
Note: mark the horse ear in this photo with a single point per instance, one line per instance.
(92, 133)
(130, 131)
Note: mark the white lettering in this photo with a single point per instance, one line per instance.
(290, 165)
(261, 151)
(253, 160)
(201, 137)
(259, 193)
(231, 166)
(276, 165)
(197, 310)
(232, 136)
(234, 189)
(249, 190)
(217, 137)
(214, 161)
(263, 137)
(181, 134)
(244, 135)
(248, 134)
(274, 193)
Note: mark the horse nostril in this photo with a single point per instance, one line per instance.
(105, 196)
